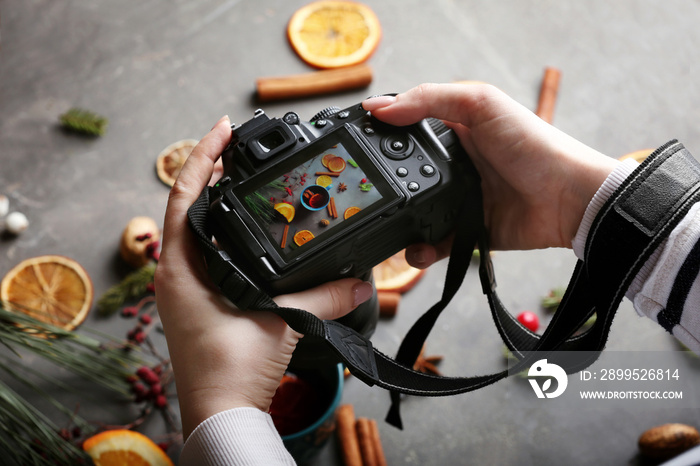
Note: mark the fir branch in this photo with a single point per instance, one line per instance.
(134, 285)
(261, 206)
(553, 299)
(107, 364)
(85, 122)
(28, 437)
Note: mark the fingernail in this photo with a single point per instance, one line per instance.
(223, 118)
(418, 257)
(378, 102)
(362, 292)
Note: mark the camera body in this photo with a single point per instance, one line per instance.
(303, 203)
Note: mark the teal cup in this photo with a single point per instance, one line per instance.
(308, 442)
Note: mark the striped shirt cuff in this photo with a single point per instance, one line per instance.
(240, 436)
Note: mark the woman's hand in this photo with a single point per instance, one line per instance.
(536, 180)
(222, 357)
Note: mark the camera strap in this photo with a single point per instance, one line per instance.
(634, 221)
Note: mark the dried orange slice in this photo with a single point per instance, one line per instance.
(334, 33)
(336, 164)
(172, 158)
(350, 211)
(120, 446)
(302, 237)
(287, 210)
(324, 180)
(394, 274)
(326, 158)
(639, 155)
(53, 289)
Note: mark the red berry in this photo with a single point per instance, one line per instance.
(147, 375)
(530, 320)
(161, 401)
(130, 311)
(146, 319)
(151, 287)
(140, 336)
(156, 389)
(363, 180)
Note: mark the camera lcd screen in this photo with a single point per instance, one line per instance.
(322, 189)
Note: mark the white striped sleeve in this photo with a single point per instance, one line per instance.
(671, 294)
(237, 437)
(667, 288)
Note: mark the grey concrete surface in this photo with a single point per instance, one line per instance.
(163, 71)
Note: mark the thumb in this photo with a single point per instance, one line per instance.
(331, 300)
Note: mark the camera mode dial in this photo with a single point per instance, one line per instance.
(325, 113)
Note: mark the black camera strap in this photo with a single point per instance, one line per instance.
(630, 226)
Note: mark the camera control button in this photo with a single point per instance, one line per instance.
(368, 130)
(291, 118)
(402, 172)
(320, 123)
(397, 146)
(413, 186)
(427, 170)
(342, 115)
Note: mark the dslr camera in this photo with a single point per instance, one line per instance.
(306, 202)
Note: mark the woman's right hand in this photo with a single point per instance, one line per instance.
(537, 181)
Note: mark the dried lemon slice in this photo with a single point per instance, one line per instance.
(302, 237)
(53, 289)
(120, 446)
(394, 274)
(334, 33)
(172, 158)
(287, 210)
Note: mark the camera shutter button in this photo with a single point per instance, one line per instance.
(413, 186)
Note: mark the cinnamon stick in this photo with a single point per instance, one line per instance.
(314, 83)
(364, 438)
(388, 303)
(378, 449)
(285, 232)
(347, 436)
(548, 94)
(333, 211)
(327, 173)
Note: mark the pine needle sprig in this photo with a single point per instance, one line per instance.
(85, 122)
(133, 286)
(553, 299)
(105, 363)
(27, 436)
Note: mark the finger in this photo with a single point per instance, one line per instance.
(331, 300)
(459, 103)
(199, 166)
(194, 176)
(424, 255)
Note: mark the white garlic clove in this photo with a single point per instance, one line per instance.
(4, 205)
(16, 223)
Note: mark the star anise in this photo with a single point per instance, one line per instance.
(426, 364)
(342, 187)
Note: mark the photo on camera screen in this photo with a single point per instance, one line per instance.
(320, 194)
